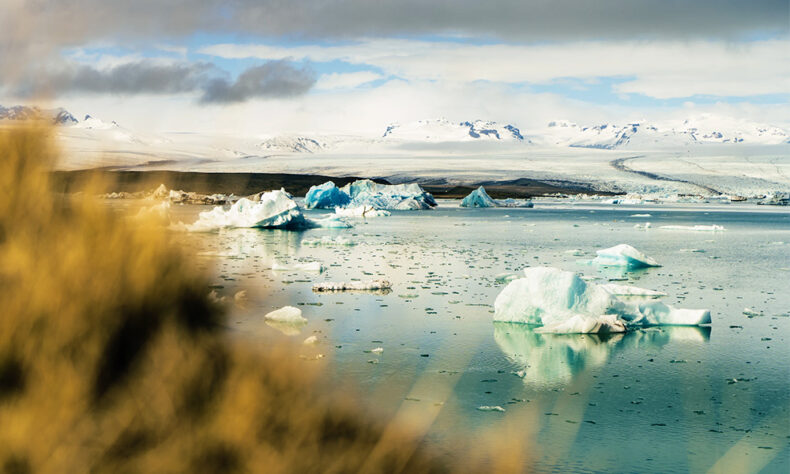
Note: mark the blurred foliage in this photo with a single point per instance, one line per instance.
(113, 358)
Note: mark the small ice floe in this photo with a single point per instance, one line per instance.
(370, 285)
(363, 211)
(328, 241)
(623, 255)
(313, 267)
(575, 252)
(644, 226)
(480, 198)
(640, 215)
(376, 350)
(695, 228)
(750, 313)
(491, 408)
(561, 302)
(506, 277)
(286, 314)
(312, 340)
(693, 250)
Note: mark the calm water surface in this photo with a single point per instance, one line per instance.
(657, 400)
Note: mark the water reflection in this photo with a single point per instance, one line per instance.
(553, 359)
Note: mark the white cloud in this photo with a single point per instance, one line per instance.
(661, 69)
(347, 80)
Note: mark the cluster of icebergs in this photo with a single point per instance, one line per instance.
(272, 210)
(480, 198)
(366, 195)
(562, 302)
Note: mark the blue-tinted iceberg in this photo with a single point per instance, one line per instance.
(623, 255)
(480, 198)
(273, 210)
(365, 192)
(326, 196)
(561, 302)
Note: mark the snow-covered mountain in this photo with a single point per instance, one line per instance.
(442, 130)
(292, 144)
(58, 116)
(700, 129)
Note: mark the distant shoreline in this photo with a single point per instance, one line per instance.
(244, 184)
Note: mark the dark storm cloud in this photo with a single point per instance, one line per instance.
(270, 80)
(273, 79)
(77, 21)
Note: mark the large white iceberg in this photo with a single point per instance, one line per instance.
(480, 198)
(326, 196)
(623, 255)
(365, 192)
(561, 302)
(272, 210)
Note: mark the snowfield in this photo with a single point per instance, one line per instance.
(705, 155)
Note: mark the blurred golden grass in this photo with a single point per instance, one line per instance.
(113, 359)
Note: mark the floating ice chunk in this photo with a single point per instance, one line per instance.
(275, 210)
(371, 285)
(326, 196)
(644, 226)
(507, 277)
(377, 350)
(575, 252)
(695, 228)
(623, 255)
(331, 222)
(158, 213)
(632, 291)
(363, 211)
(286, 314)
(562, 302)
(641, 215)
(491, 408)
(315, 267)
(480, 198)
(329, 241)
(310, 341)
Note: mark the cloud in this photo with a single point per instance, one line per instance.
(273, 79)
(270, 80)
(346, 80)
(661, 69)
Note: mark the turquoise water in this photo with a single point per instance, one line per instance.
(657, 400)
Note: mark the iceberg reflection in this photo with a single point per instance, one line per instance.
(553, 359)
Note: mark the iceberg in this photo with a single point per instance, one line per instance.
(326, 196)
(480, 198)
(270, 210)
(388, 196)
(561, 302)
(315, 267)
(623, 255)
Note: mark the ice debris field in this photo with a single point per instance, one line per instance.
(560, 313)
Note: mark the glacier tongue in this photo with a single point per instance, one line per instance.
(561, 302)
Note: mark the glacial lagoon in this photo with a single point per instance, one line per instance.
(664, 399)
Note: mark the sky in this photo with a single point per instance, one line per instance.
(331, 66)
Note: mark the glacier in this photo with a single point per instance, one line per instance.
(561, 302)
(326, 196)
(480, 198)
(624, 255)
